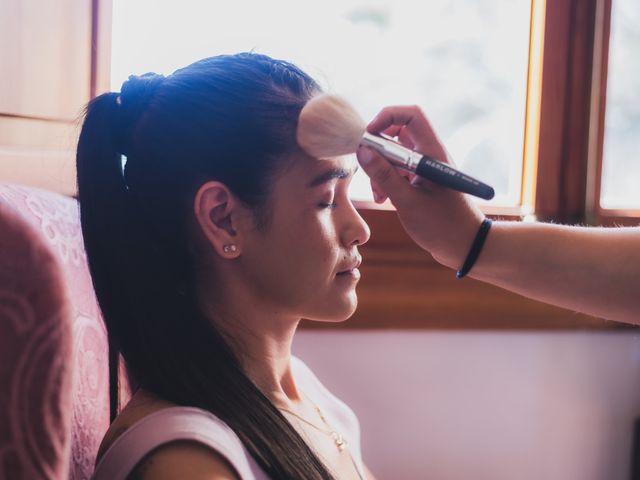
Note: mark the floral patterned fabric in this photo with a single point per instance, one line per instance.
(54, 390)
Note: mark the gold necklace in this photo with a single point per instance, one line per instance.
(338, 439)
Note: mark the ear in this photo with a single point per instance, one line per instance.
(217, 213)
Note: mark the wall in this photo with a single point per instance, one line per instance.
(54, 58)
(486, 405)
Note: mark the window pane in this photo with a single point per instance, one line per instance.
(621, 155)
(463, 61)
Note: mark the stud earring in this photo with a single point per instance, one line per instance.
(229, 248)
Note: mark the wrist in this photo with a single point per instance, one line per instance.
(493, 262)
(475, 249)
(453, 250)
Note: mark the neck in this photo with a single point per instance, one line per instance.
(262, 342)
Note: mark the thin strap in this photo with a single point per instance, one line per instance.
(169, 425)
(114, 381)
(340, 413)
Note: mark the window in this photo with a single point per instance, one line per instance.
(515, 88)
(612, 196)
(621, 157)
(464, 62)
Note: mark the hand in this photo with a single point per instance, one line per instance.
(442, 221)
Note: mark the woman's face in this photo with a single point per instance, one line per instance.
(296, 264)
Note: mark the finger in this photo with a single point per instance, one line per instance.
(400, 134)
(389, 183)
(393, 131)
(378, 196)
(418, 181)
(410, 116)
(405, 174)
(417, 126)
(404, 137)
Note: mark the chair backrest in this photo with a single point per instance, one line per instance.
(54, 374)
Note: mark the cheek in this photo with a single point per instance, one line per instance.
(308, 249)
(296, 263)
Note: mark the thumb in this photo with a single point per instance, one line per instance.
(383, 174)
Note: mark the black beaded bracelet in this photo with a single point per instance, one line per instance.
(474, 252)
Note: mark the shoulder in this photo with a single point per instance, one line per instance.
(184, 459)
(159, 440)
(139, 406)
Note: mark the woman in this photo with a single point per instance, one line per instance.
(206, 250)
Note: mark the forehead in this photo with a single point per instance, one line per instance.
(306, 173)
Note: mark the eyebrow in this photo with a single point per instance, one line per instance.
(339, 173)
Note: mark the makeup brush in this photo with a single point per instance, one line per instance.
(329, 126)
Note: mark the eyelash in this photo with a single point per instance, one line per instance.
(328, 205)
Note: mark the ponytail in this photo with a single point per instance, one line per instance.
(135, 227)
(97, 143)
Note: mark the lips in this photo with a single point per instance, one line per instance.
(355, 264)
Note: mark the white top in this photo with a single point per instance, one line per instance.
(189, 423)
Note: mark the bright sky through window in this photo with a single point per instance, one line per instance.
(621, 156)
(463, 61)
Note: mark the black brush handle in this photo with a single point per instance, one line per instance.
(447, 176)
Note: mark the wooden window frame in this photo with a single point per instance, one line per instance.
(595, 214)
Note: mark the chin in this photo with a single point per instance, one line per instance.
(336, 312)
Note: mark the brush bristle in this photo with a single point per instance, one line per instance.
(329, 127)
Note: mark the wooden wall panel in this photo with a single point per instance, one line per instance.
(37, 134)
(45, 56)
(402, 287)
(422, 294)
(38, 153)
(51, 170)
(54, 56)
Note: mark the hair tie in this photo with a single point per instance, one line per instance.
(137, 90)
(135, 96)
(476, 248)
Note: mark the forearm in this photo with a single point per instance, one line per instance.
(590, 270)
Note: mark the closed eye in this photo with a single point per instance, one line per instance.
(328, 205)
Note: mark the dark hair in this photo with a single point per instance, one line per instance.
(229, 118)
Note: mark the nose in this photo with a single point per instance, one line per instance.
(355, 231)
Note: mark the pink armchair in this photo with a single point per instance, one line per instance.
(54, 375)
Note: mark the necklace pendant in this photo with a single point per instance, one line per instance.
(340, 442)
